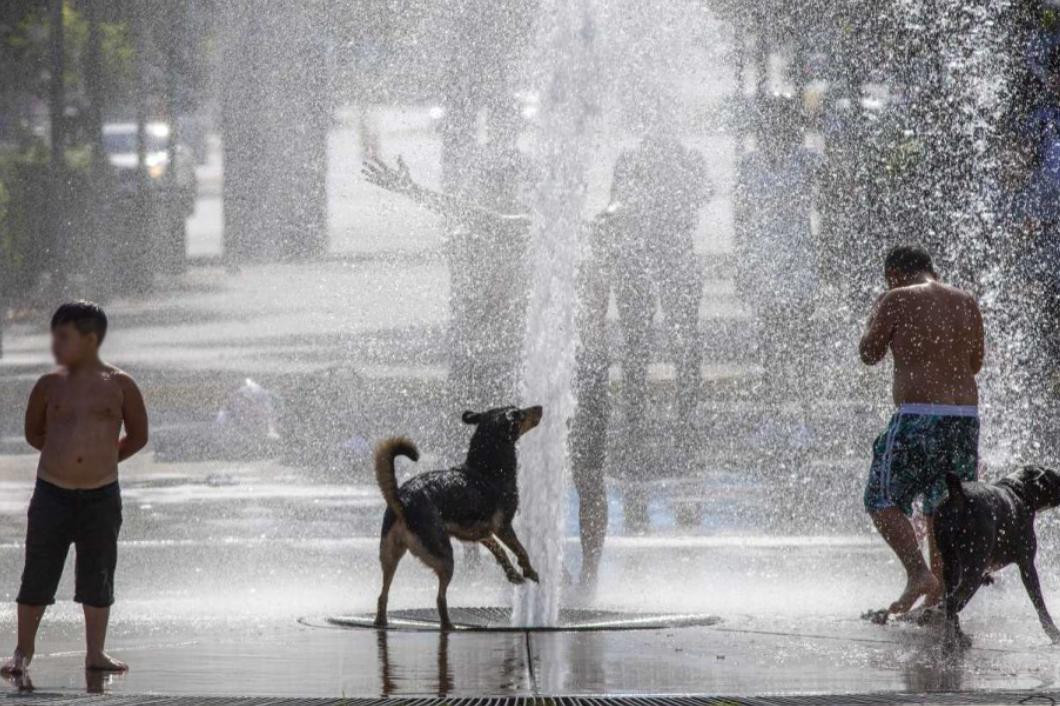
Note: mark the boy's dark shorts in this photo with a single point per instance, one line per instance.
(88, 519)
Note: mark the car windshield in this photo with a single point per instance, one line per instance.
(118, 142)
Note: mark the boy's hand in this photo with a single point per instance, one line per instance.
(36, 412)
(134, 416)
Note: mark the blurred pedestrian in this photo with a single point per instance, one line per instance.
(642, 250)
(775, 247)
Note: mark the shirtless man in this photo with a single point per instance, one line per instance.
(935, 333)
(74, 418)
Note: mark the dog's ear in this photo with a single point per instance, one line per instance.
(470, 417)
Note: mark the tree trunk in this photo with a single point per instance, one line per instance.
(55, 249)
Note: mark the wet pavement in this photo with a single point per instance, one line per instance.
(225, 589)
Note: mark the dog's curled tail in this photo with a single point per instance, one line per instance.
(956, 490)
(385, 453)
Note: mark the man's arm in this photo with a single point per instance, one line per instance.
(134, 416)
(36, 411)
(399, 181)
(978, 342)
(880, 329)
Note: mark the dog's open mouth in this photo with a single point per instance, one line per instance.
(531, 418)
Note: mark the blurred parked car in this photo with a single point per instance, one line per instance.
(120, 144)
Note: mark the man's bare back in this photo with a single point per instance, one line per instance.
(75, 419)
(935, 333)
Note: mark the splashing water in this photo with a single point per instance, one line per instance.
(566, 49)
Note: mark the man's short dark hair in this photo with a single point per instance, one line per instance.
(909, 260)
(87, 317)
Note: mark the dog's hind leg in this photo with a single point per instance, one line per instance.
(391, 549)
(429, 543)
(951, 579)
(502, 558)
(954, 577)
(507, 535)
(1029, 574)
(445, 575)
(961, 579)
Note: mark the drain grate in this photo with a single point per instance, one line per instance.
(498, 619)
(944, 699)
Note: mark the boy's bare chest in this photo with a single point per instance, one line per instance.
(93, 401)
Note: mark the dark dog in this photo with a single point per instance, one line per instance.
(474, 502)
(983, 527)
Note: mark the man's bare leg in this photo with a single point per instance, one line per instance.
(95, 637)
(898, 532)
(934, 597)
(29, 617)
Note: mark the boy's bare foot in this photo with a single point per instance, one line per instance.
(21, 682)
(933, 599)
(18, 664)
(105, 663)
(924, 583)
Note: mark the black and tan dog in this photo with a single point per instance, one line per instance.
(982, 527)
(474, 502)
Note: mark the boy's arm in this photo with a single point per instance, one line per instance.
(880, 329)
(134, 416)
(36, 410)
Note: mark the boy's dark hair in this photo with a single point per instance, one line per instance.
(86, 317)
(909, 260)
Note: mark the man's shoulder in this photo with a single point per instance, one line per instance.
(963, 295)
(937, 292)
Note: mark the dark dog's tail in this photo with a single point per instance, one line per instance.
(385, 453)
(956, 490)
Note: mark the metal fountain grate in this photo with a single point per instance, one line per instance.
(941, 699)
(498, 619)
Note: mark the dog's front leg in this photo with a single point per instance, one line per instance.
(507, 535)
(502, 558)
(1029, 574)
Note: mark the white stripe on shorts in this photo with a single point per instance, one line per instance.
(939, 410)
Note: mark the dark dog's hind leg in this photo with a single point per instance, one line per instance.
(431, 545)
(953, 574)
(445, 575)
(507, 535)
(1029, 574)
(502, 558)
(391, 549)
(961, 579)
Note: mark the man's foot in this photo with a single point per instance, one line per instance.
(18, 664)
(876, 617)
(922, 584)
(105, 663)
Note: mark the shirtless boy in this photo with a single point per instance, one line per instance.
(74, 418)
(935, 334)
